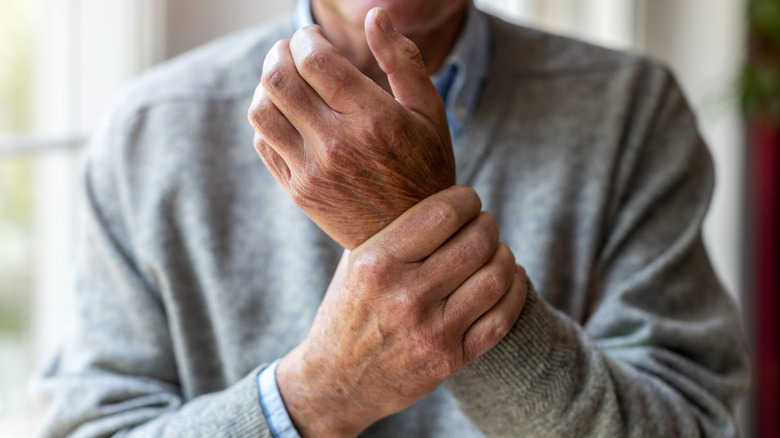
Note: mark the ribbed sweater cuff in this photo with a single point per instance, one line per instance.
(238, 410)
(531, 369)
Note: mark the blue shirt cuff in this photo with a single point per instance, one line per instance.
(276, 415)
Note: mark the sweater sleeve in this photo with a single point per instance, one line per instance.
(115, 372)
(661, 353)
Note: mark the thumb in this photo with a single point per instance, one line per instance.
(400, 59)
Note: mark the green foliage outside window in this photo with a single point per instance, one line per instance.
(15, 246)
(15, 66)
(16, 209)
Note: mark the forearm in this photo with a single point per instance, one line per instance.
(102, 404)
(548, 378)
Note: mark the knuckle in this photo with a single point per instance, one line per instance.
(273, 76)
(504, 261)
(467, 197)
(489, 223)
(371, 267)
(506, 257)
(255, 117)
(443, 214)
(259, 113)
(467, 200)
(305, 36)
(316, 61)
(470, 194)
(261, 146)
(403, 306)
(481, 245)
(421, 292)
(521, 270)
(490, 227)
(274, 79)
(501, 327)
(299, 37)
(495, 283)
(439, 368)
(482, 242)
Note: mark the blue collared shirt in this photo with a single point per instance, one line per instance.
(459, 81)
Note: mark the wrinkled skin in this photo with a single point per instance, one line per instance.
(426, 287)
(351, 155)
(405, 310)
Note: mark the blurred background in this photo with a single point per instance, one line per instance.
(62, 61)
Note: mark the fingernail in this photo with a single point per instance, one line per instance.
(384, 22)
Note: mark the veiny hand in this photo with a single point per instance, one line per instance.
(349, 154)
(406, 310)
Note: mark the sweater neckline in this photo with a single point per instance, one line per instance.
(489, 110)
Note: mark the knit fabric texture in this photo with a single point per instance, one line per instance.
(196, 269)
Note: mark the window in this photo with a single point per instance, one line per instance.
(16, 216)
(60, 64)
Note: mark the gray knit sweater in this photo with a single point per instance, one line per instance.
(196, 269)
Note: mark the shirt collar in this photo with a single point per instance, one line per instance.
(461, 76)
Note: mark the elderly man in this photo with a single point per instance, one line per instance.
(207, 302)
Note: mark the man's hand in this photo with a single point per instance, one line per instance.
(352, 156)
(406, 310)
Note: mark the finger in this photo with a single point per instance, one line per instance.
(422, 229)
(274, 128)
(339, 83)
(460, 257)
(299, 103)
(481, 291)
(491, 327)
(273, 161)
(400, 59)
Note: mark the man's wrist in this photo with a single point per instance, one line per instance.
(313, 409)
